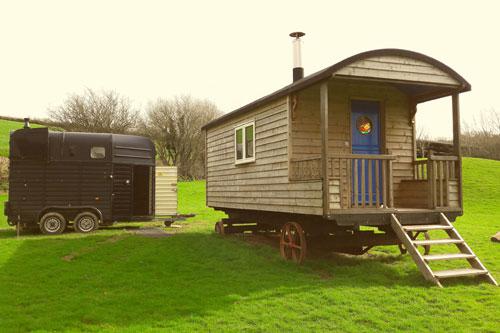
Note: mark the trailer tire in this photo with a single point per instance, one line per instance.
(86, 222)
(52, 223)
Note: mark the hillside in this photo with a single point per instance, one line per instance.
(195, 280)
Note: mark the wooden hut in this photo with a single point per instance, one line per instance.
(336, 150)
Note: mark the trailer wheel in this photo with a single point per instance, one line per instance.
(293, 245)
(52, 223)
(86, 222)
(219, 228)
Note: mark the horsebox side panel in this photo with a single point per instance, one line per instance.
(166, 190)
(26, 190)
(96, 187)
(122, 197)
(73, 184)
(36, 185)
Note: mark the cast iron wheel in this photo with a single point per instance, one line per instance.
(427, 248)
(293, 244)
(52, 223)
(219, 228)
(402, 249)
(86, 222)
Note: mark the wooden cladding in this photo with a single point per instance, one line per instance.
(305, 168)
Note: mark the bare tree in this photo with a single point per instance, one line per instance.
(175, 127)
(482, 137)
(422, 141)
(92, 111)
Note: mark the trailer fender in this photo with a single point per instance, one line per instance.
(70, 212)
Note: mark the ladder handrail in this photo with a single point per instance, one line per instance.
(465, 248)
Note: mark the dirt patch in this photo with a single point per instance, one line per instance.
(70, 257)
(259, 239)
(114, 239)
(152, 232)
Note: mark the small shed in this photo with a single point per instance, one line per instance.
(339, 142)
(336, 150)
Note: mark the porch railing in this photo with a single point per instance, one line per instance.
(359, 180)
(441, 174)
(366, 181)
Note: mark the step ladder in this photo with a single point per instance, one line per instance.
(422, 260)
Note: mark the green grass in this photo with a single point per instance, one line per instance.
(114, 281)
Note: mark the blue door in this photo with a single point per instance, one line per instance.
(365, 129)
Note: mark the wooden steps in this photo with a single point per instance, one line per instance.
(426, 227)
(437, 242)
(459, 272)
(452, 256)
(405, 234)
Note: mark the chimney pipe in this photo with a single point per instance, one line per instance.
(298, 71)
(26, 123)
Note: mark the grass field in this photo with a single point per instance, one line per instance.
(114, 281)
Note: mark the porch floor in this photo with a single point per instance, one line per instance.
(381, 216)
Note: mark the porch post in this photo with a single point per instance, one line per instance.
(457, 143)
(324, 146)
(456, 125)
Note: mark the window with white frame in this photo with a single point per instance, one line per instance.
(244, 141)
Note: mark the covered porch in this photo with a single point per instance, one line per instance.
(435, 185)
(386, 179)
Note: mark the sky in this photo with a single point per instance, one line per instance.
(231, 52)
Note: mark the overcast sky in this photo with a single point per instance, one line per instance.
(231, 52)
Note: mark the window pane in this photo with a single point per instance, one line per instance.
(239, 144)
(97, 152)
(249, 141)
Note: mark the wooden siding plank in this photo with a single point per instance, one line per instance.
(324, 144)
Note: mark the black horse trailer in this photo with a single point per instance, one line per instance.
(88, 179)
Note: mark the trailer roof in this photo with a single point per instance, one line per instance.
(40, 143)
(327, 73)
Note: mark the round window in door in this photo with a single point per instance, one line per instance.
(364, 125)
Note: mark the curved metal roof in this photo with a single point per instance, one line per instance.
(326, 73)
(42, 144)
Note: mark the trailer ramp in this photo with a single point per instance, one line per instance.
(475, 267)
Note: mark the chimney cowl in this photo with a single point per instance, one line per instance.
(298, 70)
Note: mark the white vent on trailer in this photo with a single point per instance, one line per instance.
(166, 190)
